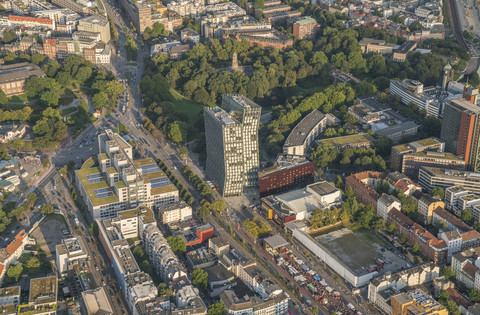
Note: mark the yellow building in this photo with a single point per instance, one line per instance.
(416, 302)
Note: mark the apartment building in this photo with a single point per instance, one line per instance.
(70, 251)
(386, 203)
(363, 185)
(11, 130)
(175, 212)
(42, 297)
(9, 300)
(431, 177)
(381, 289)
(13, 250)
(303, 134)
(461, 131)
(85, 44)
(82, 7)
(231, 133)
(28, 21)
(305, 28)
(13, 77)
(288, 172)
(139, 12)
(426, 205)
(186, 8)
(466, 267)
(412, 91)
(119, 183)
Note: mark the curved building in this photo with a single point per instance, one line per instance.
(304, 133)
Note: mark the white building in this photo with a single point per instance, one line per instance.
(381, 289)
(303, 134)
(386, 203)
(466, 266)
(412, 91)
(453, 240)
(69, 252)
(119, 183)
(175, 212)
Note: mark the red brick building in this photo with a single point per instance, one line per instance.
(288, 172)
(363, 186)
(305, 28)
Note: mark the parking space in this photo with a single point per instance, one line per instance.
(50, 233)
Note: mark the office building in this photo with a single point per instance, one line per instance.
(399, 151)
(95, 24)
(13, 77)
(416, 302)
(431, 177)
(288, 172)
(305, 28)
(374, 45)
(459, 199)
(412, 91)
(461, 131)
(400, 54)
(231, 134)
(119, 183)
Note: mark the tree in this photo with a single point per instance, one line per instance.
(383, 146)
(219, 205)
(9, 37)
(217, 308)
(324, 154)
(403, 238)
(438, 191)
(200, 279)
(474, 295)
(83, 74)
(46, 209)
(33, 265)
(14, 272)
(177, 244)
(4, 152)
(415, 26)
(183, 151)
(467, 216)
(415, 248)
(474, 79)
(447, 272)
(99, 100)
(203, 212)
(94, 229)
(259, 4)
(37, 58)
(175, 132)
(391, 227)
(378, 224)
(31, 198)
(3, 98)
(164, 290)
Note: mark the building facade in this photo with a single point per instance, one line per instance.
(231, 134)
(461, 131)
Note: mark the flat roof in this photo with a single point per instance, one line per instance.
(406, 47)
(96, 302)
(323, 188)
(397, 128)
(301, 131)
(276, 241)
(340, 141)
(43, 290)
(19, 72)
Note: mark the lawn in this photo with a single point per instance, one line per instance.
(189, 108)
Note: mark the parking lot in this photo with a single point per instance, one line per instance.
(318, 287)
(50, 233)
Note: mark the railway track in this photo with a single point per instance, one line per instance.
(455, 23)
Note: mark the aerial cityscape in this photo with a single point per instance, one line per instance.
(263, 157)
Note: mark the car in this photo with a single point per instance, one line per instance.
(46, 156)
(65, 199)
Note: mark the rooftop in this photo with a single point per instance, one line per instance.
(300, 132)
(276, 241)
(283, 162)
(43, 290)
(96, 302)
(19, 72)
(145, 212)
(397, 128)
(341, 141)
